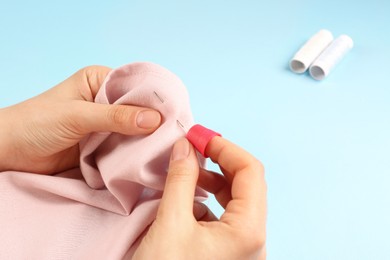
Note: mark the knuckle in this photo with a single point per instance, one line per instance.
(92, 70)
(179, 174)
(90, 79)
(94, 74)
(254, 241)
(259, 241)
(256, 166)
(89, 73)
(118, 115)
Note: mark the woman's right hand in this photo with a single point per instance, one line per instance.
(184, 230)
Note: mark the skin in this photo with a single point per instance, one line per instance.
(183, 230)
(41, 135)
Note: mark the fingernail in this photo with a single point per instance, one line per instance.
(181, 149)
(148, 119)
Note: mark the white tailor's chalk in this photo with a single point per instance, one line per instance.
(310, 51)
(330, 57)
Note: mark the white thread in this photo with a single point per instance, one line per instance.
(310, 51)
(330, 57)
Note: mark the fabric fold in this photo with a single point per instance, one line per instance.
(100, 210)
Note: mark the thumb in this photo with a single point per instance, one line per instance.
(124, 119)
(178, 197)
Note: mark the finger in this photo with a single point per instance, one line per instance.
(216, 184)
(248, 188)
(93, 77)
(82, 85)
(90, 117)
(178, 197)
(203, 213)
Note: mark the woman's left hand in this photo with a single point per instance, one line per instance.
(41, 135)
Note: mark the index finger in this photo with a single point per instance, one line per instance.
(246, 174)
(82, 85)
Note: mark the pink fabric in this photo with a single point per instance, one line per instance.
(100, 210)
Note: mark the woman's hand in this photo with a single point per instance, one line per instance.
(41, 135)
(183, 230)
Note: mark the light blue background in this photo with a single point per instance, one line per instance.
(325, 144)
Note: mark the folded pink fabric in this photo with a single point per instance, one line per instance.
(102, 209)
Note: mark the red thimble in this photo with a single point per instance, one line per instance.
(199, 136)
